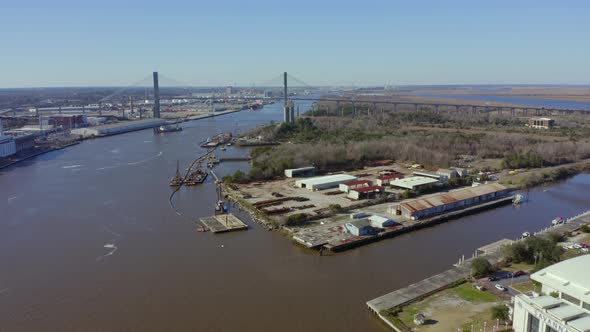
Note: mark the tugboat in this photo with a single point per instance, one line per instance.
(167, 129)
(176, 179)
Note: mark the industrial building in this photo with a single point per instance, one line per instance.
(347, 186)
(365, 192)
(7, 144)
(117, 128)
(67, 120)
(300, 172)
(541, 123)
(381, 222)
(384, 180)
(436, 204)
(413, 182)
(24, 142)
(429, 174)
(324, 182)
(359, 227)
(564, 302)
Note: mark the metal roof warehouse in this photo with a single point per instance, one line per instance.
(324, 182)
(435, 204)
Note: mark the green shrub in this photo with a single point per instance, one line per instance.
(296, 219)
(481, 267)
(500, 312)
(585, 229)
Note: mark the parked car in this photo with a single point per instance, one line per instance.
(584, 245)
(577, 246)
(518, 273)
(479, 287)
(493, 278)
(500, 287)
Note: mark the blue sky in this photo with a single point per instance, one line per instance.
(68, 43)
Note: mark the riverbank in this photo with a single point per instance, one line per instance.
(37, 153)
(387, 306)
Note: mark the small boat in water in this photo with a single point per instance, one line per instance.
(167, 129)
(519, 198)
(557, 221)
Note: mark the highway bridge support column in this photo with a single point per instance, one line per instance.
(156, 96)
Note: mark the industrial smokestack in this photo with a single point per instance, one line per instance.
(156, 96)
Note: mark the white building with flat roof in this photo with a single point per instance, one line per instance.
(563, 305)
(324, 182)
(413, 182)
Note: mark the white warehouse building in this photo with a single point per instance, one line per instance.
(7, 144)
(324, 182)
(117, 128)
(564, 304)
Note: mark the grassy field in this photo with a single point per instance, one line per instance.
(450, 309)
(519, 267)
(470, 294)
(527, 286)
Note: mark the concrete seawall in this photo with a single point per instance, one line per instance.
(431, 285)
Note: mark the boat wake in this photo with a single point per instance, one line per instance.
(146, 160)
(10, 199)
(110, 253)
(132, 163)
(71, 166)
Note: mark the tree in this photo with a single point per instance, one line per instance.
(481, 267)
(500, 312)
(296, 219)
(585, 229)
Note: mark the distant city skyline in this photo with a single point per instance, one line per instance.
(111, 43)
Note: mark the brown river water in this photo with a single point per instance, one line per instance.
(89, 242)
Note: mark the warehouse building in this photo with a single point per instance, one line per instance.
(347, 186)
(300, 172)
(365, 192)
(567, 309)
(436, 204)
(324, 182)
(381, 222)
(117, 128)
(67, 120)
(359, 227)
(427, 174)
(7, 144)
(385, 180)
(413, 182)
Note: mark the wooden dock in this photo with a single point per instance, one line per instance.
(222, 223)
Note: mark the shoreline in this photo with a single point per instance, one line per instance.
(81, 139)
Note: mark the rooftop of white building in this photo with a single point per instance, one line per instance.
(570, 277)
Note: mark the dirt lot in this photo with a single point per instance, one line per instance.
(263, 191)
(451, 309)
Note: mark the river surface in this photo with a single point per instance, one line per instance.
(536, 102)
(89, 242)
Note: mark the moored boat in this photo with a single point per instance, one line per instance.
(167, 129)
